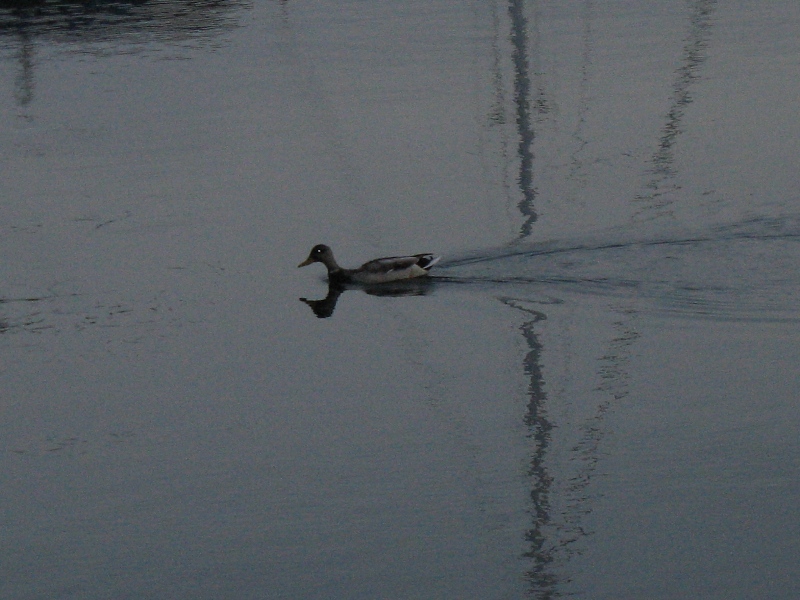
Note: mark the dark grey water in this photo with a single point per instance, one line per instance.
(595, 396)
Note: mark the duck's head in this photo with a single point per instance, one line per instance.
(320, 253)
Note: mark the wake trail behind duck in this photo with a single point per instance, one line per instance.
(749, 269)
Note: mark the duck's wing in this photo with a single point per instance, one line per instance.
(399, 263)
(388, 264)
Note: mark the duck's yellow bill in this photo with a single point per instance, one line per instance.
(305, 263)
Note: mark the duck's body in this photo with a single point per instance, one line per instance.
(380, 270)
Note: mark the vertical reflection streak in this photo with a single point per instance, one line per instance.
(541, 550)
(613, 372)
(498, 110)
(584, 96)
(522, 94)
(663, 172)
(24, 81)
(540, 575)
(553, 539)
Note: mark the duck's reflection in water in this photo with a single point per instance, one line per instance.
(324, 308)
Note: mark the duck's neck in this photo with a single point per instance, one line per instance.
(337, 273)
(334, 270)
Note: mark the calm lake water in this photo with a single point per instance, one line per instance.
(596, 396)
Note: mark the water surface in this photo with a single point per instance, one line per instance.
(595, 396)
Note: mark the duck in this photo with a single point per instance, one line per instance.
(380, 270)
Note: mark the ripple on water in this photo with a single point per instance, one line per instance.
(744, 271)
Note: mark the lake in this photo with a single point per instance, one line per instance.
(594, 394)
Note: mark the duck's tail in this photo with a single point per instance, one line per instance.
(426, 261)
